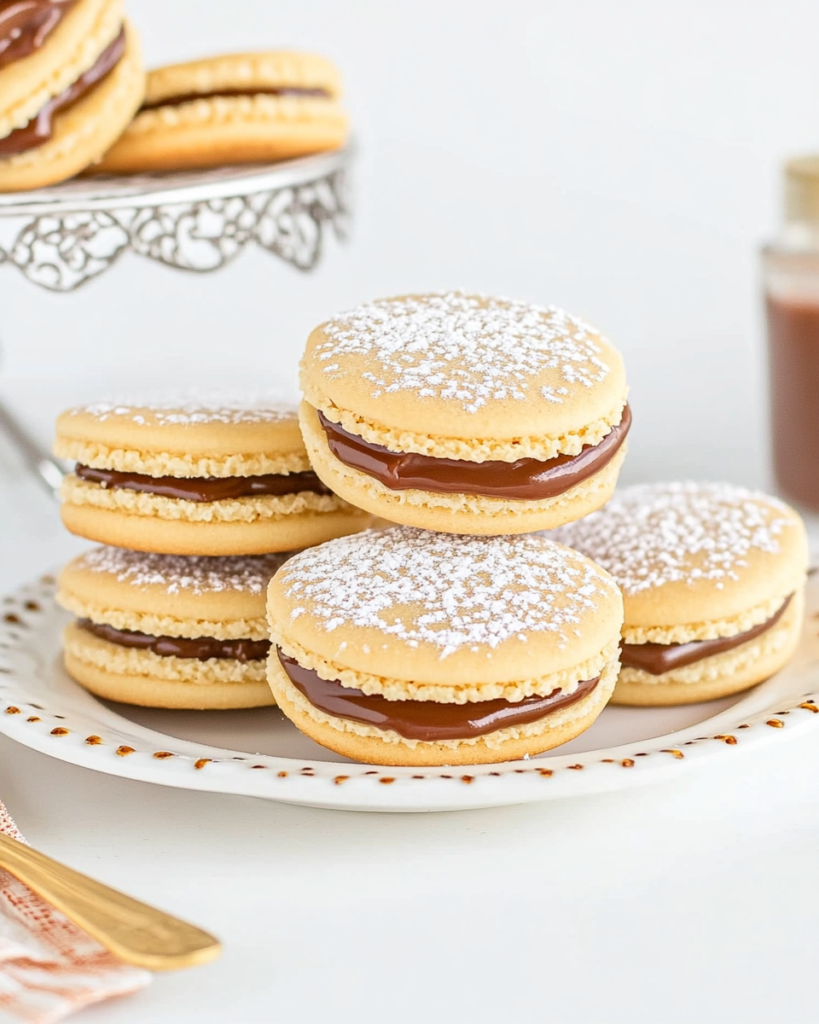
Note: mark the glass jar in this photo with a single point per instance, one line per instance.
(791, 284)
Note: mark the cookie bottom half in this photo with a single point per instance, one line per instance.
(454, 513)
(226, 130)
(376, 746)
(721, 675)
(184, 537)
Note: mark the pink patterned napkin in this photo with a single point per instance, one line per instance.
(48, 966)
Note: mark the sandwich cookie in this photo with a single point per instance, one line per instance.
(207, 475)
(403, 647)
(71, 79)
(231, 110)
(465, 414)
(713, 585)
(168, 632)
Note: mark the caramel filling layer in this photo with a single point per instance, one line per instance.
(282, 90)
(26, 24)
(206, 488)
(41, 128)
(525, 479)
(424, 719)
(659, 658)
(202, 648)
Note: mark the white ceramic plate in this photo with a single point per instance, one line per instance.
(259, 753)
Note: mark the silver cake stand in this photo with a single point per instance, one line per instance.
(62, 237)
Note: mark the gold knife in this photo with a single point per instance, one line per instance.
(132, 931)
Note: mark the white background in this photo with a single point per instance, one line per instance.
(620, 159)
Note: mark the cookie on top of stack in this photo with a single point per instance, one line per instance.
(71, 79)
(196, 474)
(465, 413)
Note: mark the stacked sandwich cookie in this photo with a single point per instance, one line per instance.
(481, 419)
(713, 583)
(197, 494)
(71, 79)
(200, 475)
(404, 647)
(166, 631)
(464, 413)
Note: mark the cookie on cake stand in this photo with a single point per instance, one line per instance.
(233, 109)
(71, 79)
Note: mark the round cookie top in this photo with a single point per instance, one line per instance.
(687, 553)
(465, 365)
(175, 586)
(277, 69)
(195, 423)
(431, 607)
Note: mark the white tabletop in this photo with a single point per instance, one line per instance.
(695, 899)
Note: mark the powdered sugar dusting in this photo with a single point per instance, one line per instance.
(450, 591)
(470, 349)
(192, 406)
(654, 534)
(176, 573)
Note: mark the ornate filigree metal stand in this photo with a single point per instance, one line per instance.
(62, 237)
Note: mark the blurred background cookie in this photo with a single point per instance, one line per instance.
(713, 585)
(207, 475)
(403, 647)
(234, 109)
(168, 632)
(465, 413)
(71, 79)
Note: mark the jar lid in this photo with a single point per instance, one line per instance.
(802, 189)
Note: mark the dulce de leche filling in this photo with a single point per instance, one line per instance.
(524, 479)
(26, 24)
(281, 90)
(40, 128)
(659, 658)
(424, 719)
(206, 488)
(202, 648)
